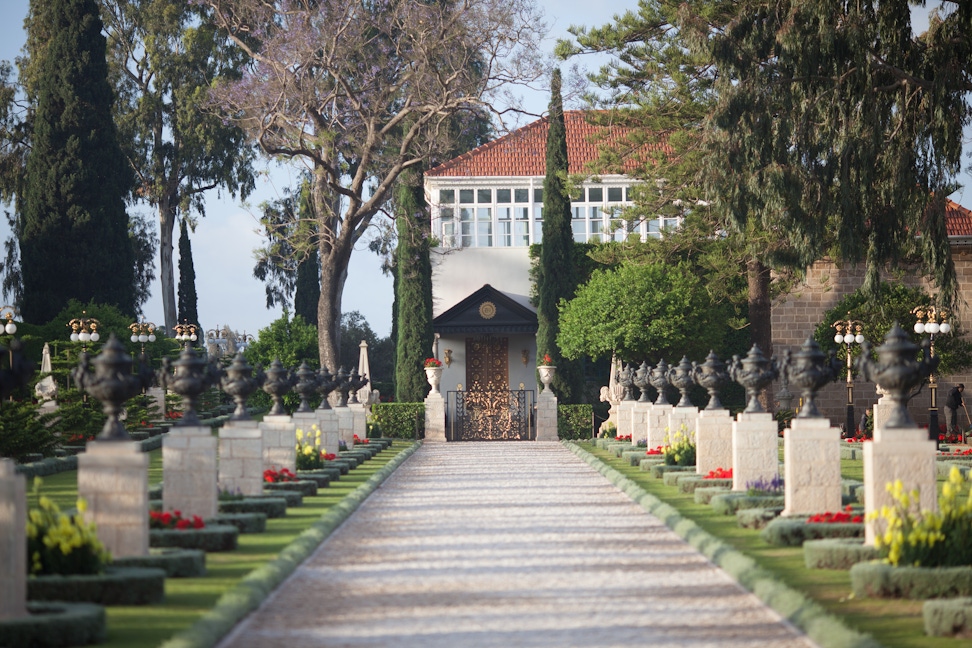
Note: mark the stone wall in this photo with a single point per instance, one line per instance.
(796, 315)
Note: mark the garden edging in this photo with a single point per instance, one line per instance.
(250, 592)
(821, 626)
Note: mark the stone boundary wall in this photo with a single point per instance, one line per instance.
(797, 314)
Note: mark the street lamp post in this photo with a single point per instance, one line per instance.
(142, 332)
(849, 333)
(8, 313)
(84, 329)
(185, 332)
(932, 320)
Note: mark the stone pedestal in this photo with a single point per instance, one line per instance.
(658, 425)
(882, 412)
(639, 422)
(345, 421)
(189, 472)
(157, 394)
(306, 422)
(435, 424)
(241, 458)
(755, 449)
(113, 480)
(713, 441)
(359, 421)
(624, 417)
(279, 442)
(901, 453)
(13, 542)
(327, 421)
(683, 417)
(811, 467)
(547, 416)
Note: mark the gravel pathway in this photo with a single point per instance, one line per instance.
(511, 545)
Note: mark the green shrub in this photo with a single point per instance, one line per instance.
(679, 448)
(575, 421)
(58, 543)
(22, 434)
(399, 420)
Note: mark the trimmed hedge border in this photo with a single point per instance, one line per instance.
(55, 625)
(117, 586)
(176, 563)
(881, 580)
(705, 494)
(306, 487)
(648, 463)
(822, 627)
(793, 531)
(218, 537)
(245, 522)
(837, 553)
(322, 479)
(757, 518)
(250, 592)
(658, 471)
(272, 507)
(292, 498)
(729, 503)
(48, 466)
(948, 618)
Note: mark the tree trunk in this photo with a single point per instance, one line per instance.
(167, 218)
(760, 315)
(334, 263)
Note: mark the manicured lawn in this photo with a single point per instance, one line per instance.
(187, 599)
(892, 622)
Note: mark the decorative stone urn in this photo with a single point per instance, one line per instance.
(659, 380)
(278, 382)
(239, 382)
(897, 371)
(307, 380)
(112, 383)
(754, 373)
(355, 382)
(325, 385)
(434, 376)
(711, 375)
(626, 380)
(546, 375)
(810, 370)
(192, 376)
(680, 377)
(641, 381)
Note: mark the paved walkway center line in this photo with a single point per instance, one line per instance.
(508, 545)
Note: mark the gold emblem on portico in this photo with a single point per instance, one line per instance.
(487, 310)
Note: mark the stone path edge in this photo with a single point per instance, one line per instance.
(251, 591)
(809, 616)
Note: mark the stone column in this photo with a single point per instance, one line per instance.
(713, 441)
(547, 416)
(755, 449)
(158, 395)
(241, 458)
(658, 424)
(435, 423)
(624, 417)
(327, 420)
(189, 477)
(811, 467)
(113, 480)
(882, 412)
(13, 542)
(359, 420)
(305, 421)
(279, 442)
(681, 417)
(639, 422)
(898, 453)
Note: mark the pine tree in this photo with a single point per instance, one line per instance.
(188, 302)
(413, 297)
(73, 227)
(556, 277)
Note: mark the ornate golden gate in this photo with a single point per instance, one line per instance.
(488, 410)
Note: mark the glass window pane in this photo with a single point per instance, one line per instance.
(538, 195)
(447, 213)
(484, 214)
(627, 194)
(595, 194)
(484, 234)
(467, 234)
(448, 234)
(521, 195)
(614, 194)
(596, 227)
(484, 195)
(577, 195)
(465, 213)
(578, 213)
(465, 196)
(595, 213)
(504, 213)
(502, 195)
(522, 213)
(580, 231)
(447, 195)
(522, 233)
(653, 228)
(503, 234)
(539, 212)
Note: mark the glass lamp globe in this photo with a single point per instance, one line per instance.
(143, 338)
(839, 339)
(10, 328)
(859, 338)
(151, 337)
(945, 327)
(193, 337)
(75, 337)
(134, 338)
(84, 336)
(932, 327)
(95, 336)
(919, 328)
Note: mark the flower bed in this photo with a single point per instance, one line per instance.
(56, 625)
(837, 553)
(176, 563)
(116, 586)
(793, 531)
(162, 520)
(881, 580)
(210, 538)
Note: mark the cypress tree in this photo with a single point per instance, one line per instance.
(73, 227)
(556, 278)
(188, 302)
(413, 297)
(308, 288)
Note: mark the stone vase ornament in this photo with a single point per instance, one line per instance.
(897, 371)
(278, 382)
(641, 381)
(626, 380)
(712, 376)
(306, 386)
(192, 376)
(546, 375)
(239, 382)
(754, 372)
(342, 386)
(112, 383)
(681, 378)
(325, 385)
(808, 370)
(434, 376)
(355, 382)
(659, 380)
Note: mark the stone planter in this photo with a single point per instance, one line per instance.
(546, 375)
(434, 376)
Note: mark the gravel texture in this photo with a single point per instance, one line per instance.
(508, 545)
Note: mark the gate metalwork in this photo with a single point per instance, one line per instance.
(487, 414)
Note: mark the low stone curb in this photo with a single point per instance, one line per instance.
(56, 625)
(250, 592)
(822, 627)
(650, 462)
(948, 618)
(659, 471)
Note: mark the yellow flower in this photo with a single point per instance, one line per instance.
(300, 434)
(82, 505)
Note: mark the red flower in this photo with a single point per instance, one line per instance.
(655, 451)
(841, 517)
(719, 473)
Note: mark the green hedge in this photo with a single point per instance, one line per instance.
(272, 507)
(399, 420)
(948, 618)
(792, 532)
(55, 624)
(117, 586)
(575, 422)
(880, 580)
(217, 537)
(837, 553)
(176, 563)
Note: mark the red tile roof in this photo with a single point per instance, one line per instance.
(523, 152)
(958, 219)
